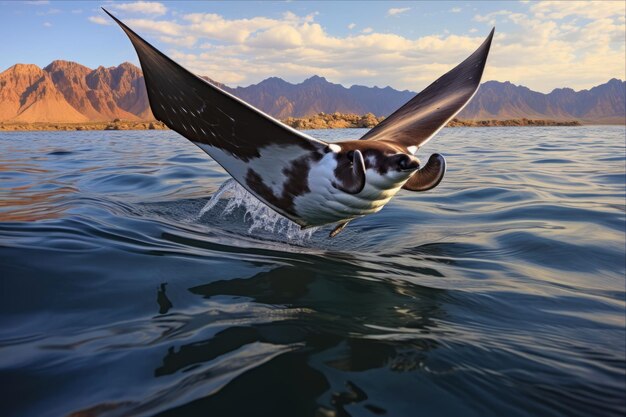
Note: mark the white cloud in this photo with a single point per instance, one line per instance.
(214, 26)
(185, 41)
(391, 59)
(163, 27)
(47, 24)
(455, 10)
(539, 52)
(99, 20)
(585, 9)
(48, 12)
(37, 2)
(143, 7)
(491, 18)
(310, 17)
(292, 17)
(396, 11)
(351, 26)
(282, 37)
(574, 44)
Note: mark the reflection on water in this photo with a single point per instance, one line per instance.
(164, 303)
(501, 292)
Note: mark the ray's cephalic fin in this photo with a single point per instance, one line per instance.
(429, 176)
(351, 177)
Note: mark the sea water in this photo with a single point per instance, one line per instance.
(500, 292)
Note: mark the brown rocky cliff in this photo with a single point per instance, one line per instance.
(129, 90)
(13, 84)
(27, 94)
(106, 86)
(70, 79)
(69, 92)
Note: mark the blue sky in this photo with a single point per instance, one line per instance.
(542, 45)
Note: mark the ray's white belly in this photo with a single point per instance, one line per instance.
(326, 204)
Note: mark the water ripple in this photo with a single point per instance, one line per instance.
(501, 292)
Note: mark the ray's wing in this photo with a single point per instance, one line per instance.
(257, 150)
(413, 124)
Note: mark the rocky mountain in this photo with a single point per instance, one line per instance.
(316, 95)
(104, 93)
(69, 92)
(27, 94)
(605, 103)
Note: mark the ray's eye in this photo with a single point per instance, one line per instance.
(404, 162)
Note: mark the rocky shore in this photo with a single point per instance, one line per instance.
(339, 121)
(319, 121)
(334, 121)
(511, 122)
(114, 125)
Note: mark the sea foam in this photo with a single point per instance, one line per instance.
(256, 213)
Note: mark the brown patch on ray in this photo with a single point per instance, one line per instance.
(296, 183)
(351, 174)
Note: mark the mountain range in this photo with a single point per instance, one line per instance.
(68, 92)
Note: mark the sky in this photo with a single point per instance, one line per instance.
(405, 45)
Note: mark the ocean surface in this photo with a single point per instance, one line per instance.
(499, 293)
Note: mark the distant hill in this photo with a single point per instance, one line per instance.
(605, 103)
(68, 92)
(315, 95)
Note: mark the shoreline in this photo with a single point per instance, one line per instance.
(338, 121)
(54, 126)
(320, 121)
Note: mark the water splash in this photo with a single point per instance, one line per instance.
(258, 215)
